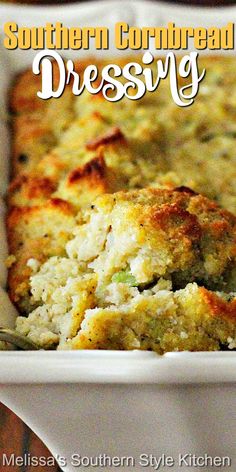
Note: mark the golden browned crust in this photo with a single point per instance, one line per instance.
(93, 170)
(74, 150)
(26, 190)
(113, 135)
(193, 237)
(140, 273)
(218, 307)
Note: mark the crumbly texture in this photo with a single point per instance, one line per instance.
(69, 151)
(143, 142)
(161, 282)
(35, 232)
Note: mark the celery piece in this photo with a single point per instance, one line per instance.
(124, 277)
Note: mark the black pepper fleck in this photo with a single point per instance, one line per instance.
(23, 158)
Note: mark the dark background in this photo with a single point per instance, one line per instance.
(15, 437)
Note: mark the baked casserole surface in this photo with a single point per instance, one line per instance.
(122, 217)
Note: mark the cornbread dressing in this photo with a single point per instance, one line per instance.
(121, 222)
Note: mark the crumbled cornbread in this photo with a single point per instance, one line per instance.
(147, 269)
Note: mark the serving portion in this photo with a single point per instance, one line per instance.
(121, 223)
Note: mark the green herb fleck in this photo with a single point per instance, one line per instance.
(125, 277)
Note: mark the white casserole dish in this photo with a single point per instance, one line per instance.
(118, 403)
